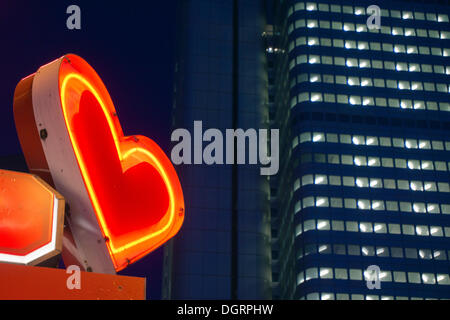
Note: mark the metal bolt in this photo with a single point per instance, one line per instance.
(43, 133)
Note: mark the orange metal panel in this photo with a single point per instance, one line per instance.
(36, 283)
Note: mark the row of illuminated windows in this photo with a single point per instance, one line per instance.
(372, 251)
(369, 161)
(364, 45)
(372, 82)
(374, 205)
(367, 63)
(356, 100)
(362, 140)
(347, 9)
(384, 276)
(350, 26)
(355, 296)
(375, 183)
(371, 227)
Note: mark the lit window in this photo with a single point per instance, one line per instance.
(322, 202)
(407, 15)
(341, 79)
(391, 84)
(414, 67)
(336, 25)
(376, 46)
(419, 207)
(326, 273)
(399, 48)
(377, 64)
(377, 205)
(363, 205)
(365, 226)
(422, 33)
(411, 143)
(323, 225)
(399, 276)
(424, 50)
(385, 29)
(388, 47)
(325, 41)
(403, 85)
(362, 182)
(361, 28)
(427, 68)
(442, 18)
(311, 273)
(349, 26)
(342, 98)
(373, 162)
(427, 165)
(401, 66)
(351, 62)
(409, 32)
(436, 232)
(432, 208)
(380, 84)
(414, 164)
(396, 31)
(405, 104)
(318, 137)
(380, 228)
(358, 140)
(335, 8)
(416, 85)
(312, 24)
(313, 41)
(314, 78)
(443, 279)
(350, 44)
(314, 59)
(428, 278)
(311, 6)
(364, 63)
(320, 179)
(362, 45)
(368, 101)
(355, 100)
(324, 7)
(376, 183)
(316, 97)
(366, 82)
(419, 105)
(353, 81)
(359, 11)
(419, 15)
(430, 186)
(416, 186)
(431, 17)
(411, 50)
(422, 230)
(395, 14)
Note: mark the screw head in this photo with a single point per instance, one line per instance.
(44, 134)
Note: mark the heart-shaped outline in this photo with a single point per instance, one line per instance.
(130, 150)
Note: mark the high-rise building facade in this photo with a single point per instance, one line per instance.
(223, 250)
(364, 118)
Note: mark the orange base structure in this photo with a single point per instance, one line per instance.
(19, 282)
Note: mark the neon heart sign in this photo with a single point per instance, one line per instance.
(124, 194)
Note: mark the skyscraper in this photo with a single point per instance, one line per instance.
(364, 118)
(223, 250)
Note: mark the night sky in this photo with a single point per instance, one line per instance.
(131, 46)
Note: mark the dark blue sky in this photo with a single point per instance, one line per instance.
(131, 46)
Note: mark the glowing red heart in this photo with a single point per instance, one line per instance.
(133, 186)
